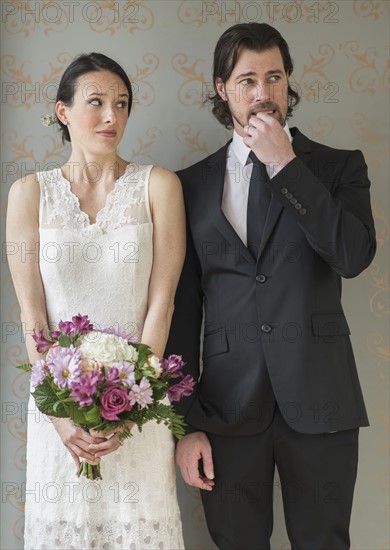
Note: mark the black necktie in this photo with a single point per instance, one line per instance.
(258, 203)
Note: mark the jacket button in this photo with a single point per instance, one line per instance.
(266, 328)
(303, 211)
(293, 200)
(261, 278)
(284, 190)
(298, 206)
(289, 196)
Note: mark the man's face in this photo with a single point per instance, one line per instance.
(258, 83)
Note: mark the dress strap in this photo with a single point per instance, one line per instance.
(41, 181)
(147, 203)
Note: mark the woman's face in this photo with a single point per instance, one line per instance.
(98, 116)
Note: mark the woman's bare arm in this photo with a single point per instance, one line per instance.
(23, 257)
(167, 208)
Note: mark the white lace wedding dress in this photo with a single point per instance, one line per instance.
(101, 270)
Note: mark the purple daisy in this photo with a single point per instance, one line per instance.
(141, 393)
(64, 364)
(121, 372)
(38, 373)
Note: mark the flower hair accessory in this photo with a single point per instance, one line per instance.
(49, 120)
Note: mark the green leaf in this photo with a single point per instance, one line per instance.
(62, 394)
(158, 394)
(77, 416)
(47, 400)
(60, 410)
(143, 353)
(160, 413)
(93, 415)
(73, 339)
(64, 340)
(26, 367)
(137, 375)
(147, 372)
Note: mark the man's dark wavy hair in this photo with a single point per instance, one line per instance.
(257, 37)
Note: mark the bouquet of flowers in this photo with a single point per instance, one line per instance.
(101, 380)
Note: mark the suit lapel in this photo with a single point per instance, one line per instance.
(302, 148)
(215, 178)
(301, 145)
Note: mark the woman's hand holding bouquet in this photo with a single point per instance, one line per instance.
(100, 385)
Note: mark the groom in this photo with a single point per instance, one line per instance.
(274, 221)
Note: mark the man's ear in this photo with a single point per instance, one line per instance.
(221, 89)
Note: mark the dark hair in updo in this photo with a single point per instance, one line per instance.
(83, 64)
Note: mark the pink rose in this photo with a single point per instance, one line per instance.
(114, 401)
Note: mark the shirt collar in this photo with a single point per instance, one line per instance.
(242, 151)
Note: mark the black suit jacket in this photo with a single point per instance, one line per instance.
(277, 317)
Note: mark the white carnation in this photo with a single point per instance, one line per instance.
(154, 363)
(107, 348)
(132, 354)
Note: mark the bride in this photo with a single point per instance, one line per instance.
(111, 245)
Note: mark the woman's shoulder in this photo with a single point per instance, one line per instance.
(23, 198)
(165, 189)
(164, 178)
(25, 189)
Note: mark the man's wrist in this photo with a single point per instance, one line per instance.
(275, 167)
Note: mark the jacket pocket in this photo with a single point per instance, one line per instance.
(329, 324)
(215, 343)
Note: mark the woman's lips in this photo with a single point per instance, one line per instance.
(106, 133)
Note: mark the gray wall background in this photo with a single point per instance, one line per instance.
(340, 50)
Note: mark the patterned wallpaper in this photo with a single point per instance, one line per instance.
(340, 50)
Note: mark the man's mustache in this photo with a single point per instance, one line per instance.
(266, 106)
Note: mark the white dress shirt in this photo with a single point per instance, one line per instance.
(236, 184)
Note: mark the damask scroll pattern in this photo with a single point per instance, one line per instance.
(368, 76)
(24, 159)
(192, 91)
(116, 16)
(322, 128)
(378, 342)
(109, 16)
(32, 16)
(143, 91)
(142, 153)
(22, 89)
(196, 143)
(371, 8)
(319, 87)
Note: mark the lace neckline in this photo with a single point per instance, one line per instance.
(110, 198)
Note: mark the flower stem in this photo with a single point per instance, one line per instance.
(90, 471)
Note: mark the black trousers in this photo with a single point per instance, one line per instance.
(317, 475)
